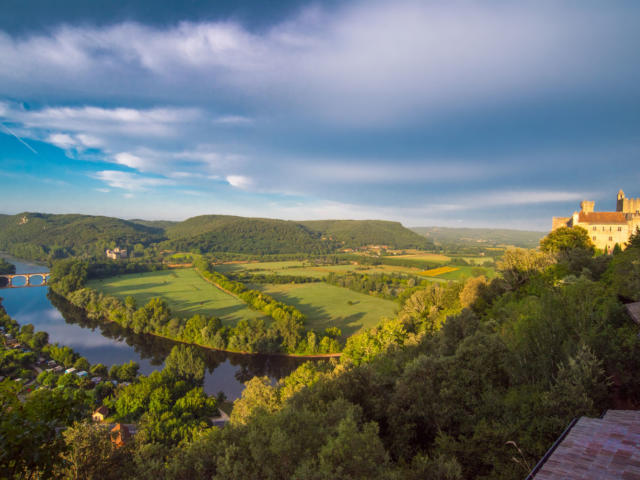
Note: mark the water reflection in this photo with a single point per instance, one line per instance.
(156, 349)
(108, 343)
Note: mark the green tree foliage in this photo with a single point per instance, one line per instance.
(91, 455)
(518, 265)
(6, 267)
(259, 396)
(39, 236)
(389, 286)
(29, 444)
(186, 363)
(567, 238)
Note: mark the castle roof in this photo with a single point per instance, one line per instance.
(602, 217)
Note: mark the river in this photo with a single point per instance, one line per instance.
(109, 344)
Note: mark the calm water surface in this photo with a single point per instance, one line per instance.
(109, 344)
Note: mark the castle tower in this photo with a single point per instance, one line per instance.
(627, 205)
(620, 204)
(587, 206)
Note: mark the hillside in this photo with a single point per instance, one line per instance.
(486, 237)
(224, 233)
(358, 233)
(154, 223)
(42, 235)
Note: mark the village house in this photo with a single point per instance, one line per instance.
(120, 435)
(100, 414)
(606, 229)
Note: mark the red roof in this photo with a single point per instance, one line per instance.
(602, 217)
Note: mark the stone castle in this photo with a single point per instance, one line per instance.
(606, 229)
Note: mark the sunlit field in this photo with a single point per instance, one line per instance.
(186, 292)
(330, 306)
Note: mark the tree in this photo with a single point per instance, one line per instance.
(99, 370)
(187, 363)
(518, 265)
(81, 364)
(258, 395)
(567, 238)
(128, 371)
(6, 267)
(91, 454)
(356, 452)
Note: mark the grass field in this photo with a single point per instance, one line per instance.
(300, 269)
(427, 257)
(466, 272)
(330, 306)
(186, 292)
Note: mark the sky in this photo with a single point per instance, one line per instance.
(452, 113)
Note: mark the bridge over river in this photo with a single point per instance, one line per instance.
(9, 281)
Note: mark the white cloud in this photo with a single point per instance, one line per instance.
(62, 140)
(131, 161)
(234, 120)
(363, 63)
(130, 181)
(239, 181)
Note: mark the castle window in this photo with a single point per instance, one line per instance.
(594, 238)
(595, 228)
(610, 239)
(619, 229)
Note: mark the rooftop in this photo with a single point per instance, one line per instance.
(602, 217)
(634, 311)
(597, 449)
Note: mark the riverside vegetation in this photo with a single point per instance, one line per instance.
(442, 391)
(285, 334)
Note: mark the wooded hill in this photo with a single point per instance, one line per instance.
(40, 236)
(359, 233)
(485, 237)
(261, 235)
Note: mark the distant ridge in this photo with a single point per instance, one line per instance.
(42, 236)
(481, 236)
(38, 236)
(263, 235)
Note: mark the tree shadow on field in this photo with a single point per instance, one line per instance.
(319, 319)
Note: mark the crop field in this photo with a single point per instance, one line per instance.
(301, 269)
(466, 272)
(330, 306)
(427, 257)
(436, 272)
(186, 292)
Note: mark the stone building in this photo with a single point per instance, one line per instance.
(117, 253)
(606, 229)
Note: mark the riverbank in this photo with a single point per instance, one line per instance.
(106, 319)
(109, 343)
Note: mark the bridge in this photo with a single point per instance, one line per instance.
(7, 281)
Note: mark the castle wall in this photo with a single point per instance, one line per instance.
(558, 222)
(629, 205)
(606, 236)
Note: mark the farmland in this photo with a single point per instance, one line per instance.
(330, 306)
(186, 292)
(306, 269)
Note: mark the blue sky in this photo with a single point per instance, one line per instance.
(484, 113)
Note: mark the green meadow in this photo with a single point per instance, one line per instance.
(330, 306)
(186, 292)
